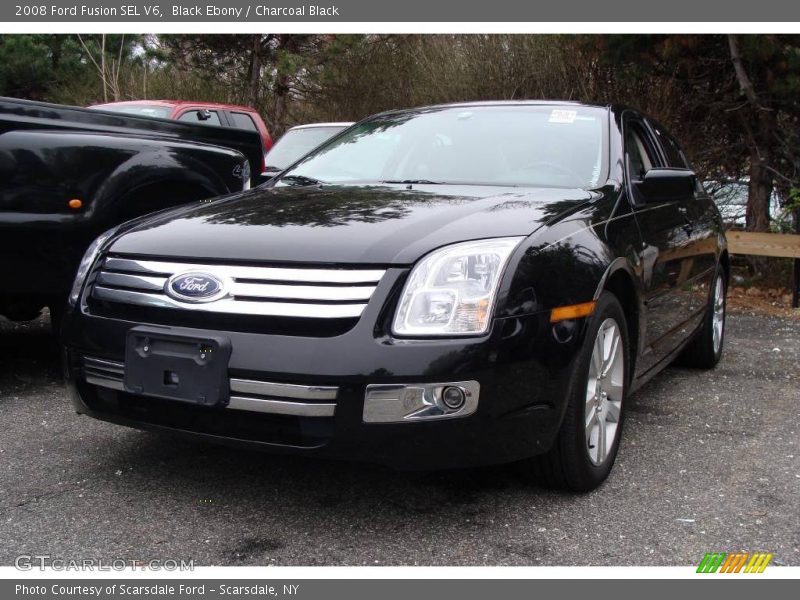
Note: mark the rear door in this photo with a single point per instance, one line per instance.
(702, 215)
(244, 120)
(665, 259)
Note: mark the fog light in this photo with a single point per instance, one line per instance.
(453, 397)
(409, 402)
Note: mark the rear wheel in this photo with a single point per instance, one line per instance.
(56, 316)
(705, 350)
(584, 451)
(20, 313)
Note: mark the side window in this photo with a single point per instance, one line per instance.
(673, 152)
(202, 117)
(243, 121)
(640, 155)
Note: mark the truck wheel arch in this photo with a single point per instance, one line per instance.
(154, 196)
(128, 197)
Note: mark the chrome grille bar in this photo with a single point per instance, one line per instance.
(283, 390)
(151, 267)
(301, 292)
(104, 364)
(104, 372)
(269, 291)
(139, 282)
(233, 306)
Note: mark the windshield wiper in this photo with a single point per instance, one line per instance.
(301, 180)
(412, 181)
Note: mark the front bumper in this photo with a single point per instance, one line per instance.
(521, 366)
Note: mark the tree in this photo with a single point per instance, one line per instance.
(36, 66)
(108, 67)
(259, 69)
(739, 97)
(59, 68)
(733, 100)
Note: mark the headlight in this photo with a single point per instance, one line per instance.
(86, 263)
(452, 290)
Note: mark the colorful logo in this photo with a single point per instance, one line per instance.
(734, 562)
(195, 287)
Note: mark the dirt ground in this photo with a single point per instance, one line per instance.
(775, 302)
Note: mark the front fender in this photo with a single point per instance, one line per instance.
(559, 265)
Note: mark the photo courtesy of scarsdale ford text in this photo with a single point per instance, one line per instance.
(99, 590)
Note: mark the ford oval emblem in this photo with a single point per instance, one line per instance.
(195, 287)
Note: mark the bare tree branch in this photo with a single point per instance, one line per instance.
(745, 84)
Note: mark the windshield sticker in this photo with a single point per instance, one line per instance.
(563, 116)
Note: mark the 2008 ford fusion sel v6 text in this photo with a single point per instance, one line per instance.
(437, 287)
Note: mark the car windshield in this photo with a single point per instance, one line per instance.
(297, 142)
(141, 110)
(512, 145)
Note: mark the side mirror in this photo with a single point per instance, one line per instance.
(665, 184)
(203, 115)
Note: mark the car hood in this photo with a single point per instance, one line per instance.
(344, 224)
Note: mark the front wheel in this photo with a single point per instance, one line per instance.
(584, 451)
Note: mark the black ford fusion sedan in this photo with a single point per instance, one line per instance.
(438, 287)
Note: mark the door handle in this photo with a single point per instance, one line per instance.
(688, 226)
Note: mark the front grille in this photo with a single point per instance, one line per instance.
(296, 293)
(246, 394)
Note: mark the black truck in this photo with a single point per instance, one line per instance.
(67, 174)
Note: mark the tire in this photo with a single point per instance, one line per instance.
(576, 461)
(56, 317)
(22, 314)
(705, 349)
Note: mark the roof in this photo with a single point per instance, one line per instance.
(176, 103)
(490, 103)
(518, 103)
(313, 125)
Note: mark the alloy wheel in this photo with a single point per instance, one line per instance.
(718, 318)
(604, 390)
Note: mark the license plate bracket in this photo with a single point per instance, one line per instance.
(175, 364)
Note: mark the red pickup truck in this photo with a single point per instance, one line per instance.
(203, 113)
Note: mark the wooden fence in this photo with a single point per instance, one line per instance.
(781, 245)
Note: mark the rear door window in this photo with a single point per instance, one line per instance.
(201, 117)
(243, 121)
(672, 151)
(640, 153)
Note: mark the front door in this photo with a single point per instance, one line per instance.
(666, 232)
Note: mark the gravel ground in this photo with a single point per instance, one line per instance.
(709, 462)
